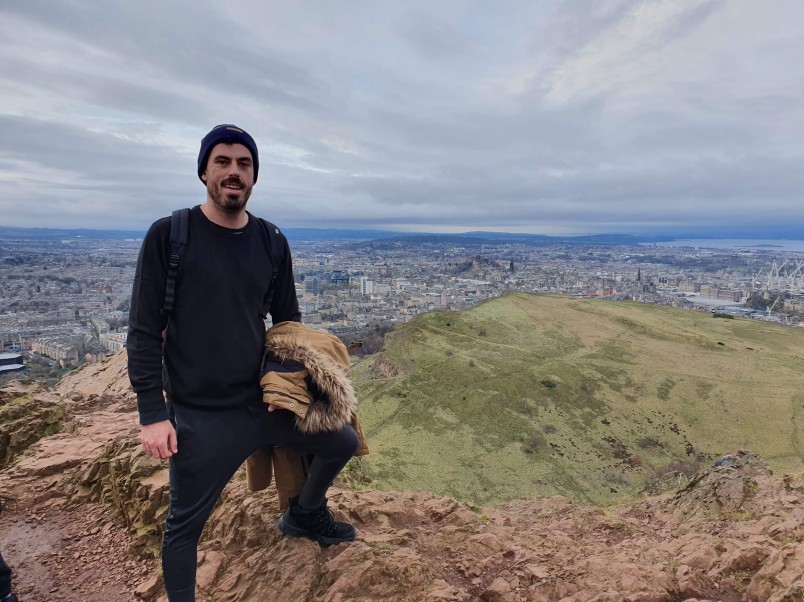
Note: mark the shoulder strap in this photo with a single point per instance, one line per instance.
(179, 227)
(277, 251)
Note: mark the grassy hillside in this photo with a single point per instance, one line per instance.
(532, 395)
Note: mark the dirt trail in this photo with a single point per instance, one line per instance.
(63, 555)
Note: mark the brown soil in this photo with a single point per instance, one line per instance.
(58, 554)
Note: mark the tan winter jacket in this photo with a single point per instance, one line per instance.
(305, 371)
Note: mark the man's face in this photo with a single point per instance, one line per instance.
(229, 176)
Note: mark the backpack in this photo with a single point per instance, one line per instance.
(179, 228)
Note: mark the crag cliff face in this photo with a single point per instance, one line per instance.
(84, 510)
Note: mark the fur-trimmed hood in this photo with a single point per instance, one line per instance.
(306, 371)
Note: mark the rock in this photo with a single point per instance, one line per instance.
(498, 591)
(785, 528)
(697, 585)
(722, 489)
(108, 379)
(207, 572)
(745, 558)
(536, 572)
(782, 572)
(441, 591)
(26, 418)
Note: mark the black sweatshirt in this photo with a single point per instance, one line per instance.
(215, 336)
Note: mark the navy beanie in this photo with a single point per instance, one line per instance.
(228, 134)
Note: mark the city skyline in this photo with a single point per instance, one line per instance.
(552, 118)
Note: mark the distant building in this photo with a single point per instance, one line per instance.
(55, 350)
(713, 292)
(11, 365)
(598, 292)
(114, 341)
(366, 286)
(339, 278)
(10, 346)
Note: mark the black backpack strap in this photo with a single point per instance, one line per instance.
(179, 227)
(277, 250)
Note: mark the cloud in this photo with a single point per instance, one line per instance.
(625, 53)
(550, 116)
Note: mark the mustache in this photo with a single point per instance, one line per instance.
(235, 181)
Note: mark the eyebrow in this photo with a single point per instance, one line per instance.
(230, 158)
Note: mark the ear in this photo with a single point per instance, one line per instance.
(204, 176)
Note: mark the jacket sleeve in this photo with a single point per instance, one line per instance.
(284, 304)
(146, 324)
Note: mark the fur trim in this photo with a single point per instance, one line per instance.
(340, 405)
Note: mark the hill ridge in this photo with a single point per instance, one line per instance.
(546, 384)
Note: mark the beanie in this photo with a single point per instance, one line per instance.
(228, 134)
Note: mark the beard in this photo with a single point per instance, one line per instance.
(229, 200)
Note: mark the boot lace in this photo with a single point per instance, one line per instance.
(322, 521)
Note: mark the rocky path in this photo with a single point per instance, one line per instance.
(62, 555)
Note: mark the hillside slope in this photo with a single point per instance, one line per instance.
(87, 509)
(532, 395)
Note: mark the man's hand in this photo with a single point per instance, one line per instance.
(159, 439)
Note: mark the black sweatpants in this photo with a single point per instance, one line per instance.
(212, 445)
(5, 578)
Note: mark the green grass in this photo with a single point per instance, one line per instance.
(531, 395)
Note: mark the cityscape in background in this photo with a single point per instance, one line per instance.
(64, 301)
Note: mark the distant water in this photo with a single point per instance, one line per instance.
(726, 243)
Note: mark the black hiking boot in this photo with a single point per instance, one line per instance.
(318, 525)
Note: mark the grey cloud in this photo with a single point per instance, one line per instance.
(406, 114)
(171, 42)
(74, 175)
(434, 38)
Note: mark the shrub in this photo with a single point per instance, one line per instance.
(616, 478)
(688, 468)
(357, 474)
(618, 448)
(633, 461)
(648, 443)
(534, 443)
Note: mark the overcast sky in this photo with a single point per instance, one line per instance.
(534, 116)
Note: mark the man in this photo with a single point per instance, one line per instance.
(5, 578)
(210, 355)
(5, 582)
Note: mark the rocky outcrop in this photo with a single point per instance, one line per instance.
(734, 532)
(27, 413)
(108, 378)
